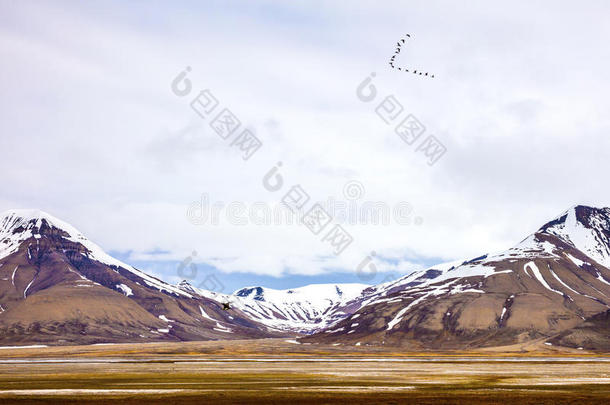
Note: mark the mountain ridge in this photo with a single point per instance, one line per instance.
(58, 287)
(542, 286)
(302, 309)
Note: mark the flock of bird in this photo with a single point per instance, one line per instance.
(392, 59)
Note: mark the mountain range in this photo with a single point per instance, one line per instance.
(57, 287)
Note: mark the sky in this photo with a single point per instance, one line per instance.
(96, 129)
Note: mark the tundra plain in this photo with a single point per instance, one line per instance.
(283, 371)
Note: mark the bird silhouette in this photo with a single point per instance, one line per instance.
(398, 49)
(226, 306)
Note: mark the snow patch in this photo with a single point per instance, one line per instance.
(28, 286)
(126, 290)
(13, 276)
(561, 282)
(165, 319)
(460, 289)
(222, 328)
(600, 278)
(534, 269)
(498, 272)
(574, 260)
(205, 315)
(399, 316)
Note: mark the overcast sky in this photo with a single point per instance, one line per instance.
(92, 133)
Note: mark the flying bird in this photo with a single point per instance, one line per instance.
(226, 306)
(398, 49)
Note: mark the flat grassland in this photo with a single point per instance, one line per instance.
(278, 371)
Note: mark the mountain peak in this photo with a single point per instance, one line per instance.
(20, 220)
(18, 225)
(585, 228)
(581, 212)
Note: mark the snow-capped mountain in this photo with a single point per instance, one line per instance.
(57, 287)
(586, 229)
(304, 309)
(301, 310)
(550, 282)
(18, 226)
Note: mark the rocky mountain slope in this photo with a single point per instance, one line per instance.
(58, 287)
(554, 281)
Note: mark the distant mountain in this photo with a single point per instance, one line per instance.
(57, 287)
(304, 309)
(554, 281)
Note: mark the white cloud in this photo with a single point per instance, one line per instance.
(92, 133)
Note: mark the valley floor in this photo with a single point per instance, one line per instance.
(280, 371)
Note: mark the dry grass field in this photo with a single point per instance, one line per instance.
(278, 371)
